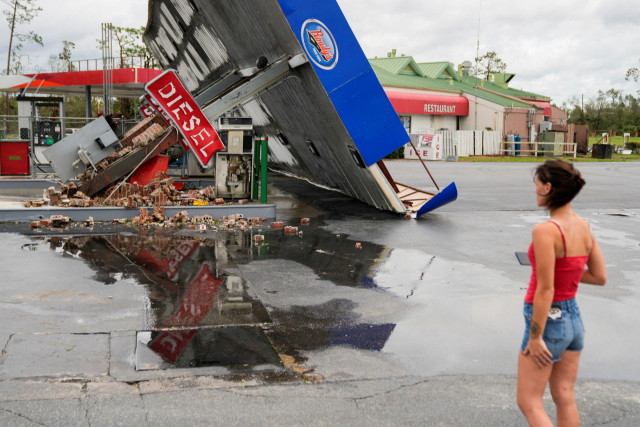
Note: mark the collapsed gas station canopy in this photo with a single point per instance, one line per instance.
(127, 82)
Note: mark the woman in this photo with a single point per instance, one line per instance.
(554, 333)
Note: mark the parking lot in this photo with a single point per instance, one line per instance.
(419, 326)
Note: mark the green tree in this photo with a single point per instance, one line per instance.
(65, 55)
(129, 46)
(136, 48)
(18, 12)
(633, 74)
(489, 64)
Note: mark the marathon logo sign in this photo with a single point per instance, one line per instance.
(440, 109)
(319, 44)
(169, 94)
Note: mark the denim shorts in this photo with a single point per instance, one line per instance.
(565, 333)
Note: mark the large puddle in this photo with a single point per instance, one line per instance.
(198, 308)
(315, 300)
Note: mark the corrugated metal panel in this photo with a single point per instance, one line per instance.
(510, 91)
(433, 69)
(392, 65)
(492, 97)
(436, 69)
(413, 82)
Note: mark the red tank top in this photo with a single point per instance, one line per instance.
(567, 273)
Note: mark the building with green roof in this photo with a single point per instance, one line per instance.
(428, 96)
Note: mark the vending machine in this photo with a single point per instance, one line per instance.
(428, 147)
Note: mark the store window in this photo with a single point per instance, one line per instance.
(406, 122)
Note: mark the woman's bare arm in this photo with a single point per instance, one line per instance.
(596, 272)
(545, 253)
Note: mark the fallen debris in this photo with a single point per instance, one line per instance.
(290, 231)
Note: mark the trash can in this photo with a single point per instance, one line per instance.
(14, 158)
(602, 151)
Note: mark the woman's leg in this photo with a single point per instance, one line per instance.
(531, 384)
(561, 382)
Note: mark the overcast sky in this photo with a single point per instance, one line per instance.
(559, 49)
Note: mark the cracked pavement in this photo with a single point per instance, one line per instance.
(419, 327)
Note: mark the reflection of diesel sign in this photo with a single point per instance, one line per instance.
(432, 108)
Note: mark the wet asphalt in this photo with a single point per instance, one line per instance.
(420, 326)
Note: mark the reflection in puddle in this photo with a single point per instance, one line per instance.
(192, 348)
(186, 287)
(200, 310)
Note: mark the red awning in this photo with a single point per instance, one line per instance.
(418, 103)
(545, 105)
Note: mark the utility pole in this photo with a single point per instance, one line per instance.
(475, 126)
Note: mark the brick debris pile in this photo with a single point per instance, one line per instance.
(139, 136)
(234, 222)
(157, 218)
(159, 192)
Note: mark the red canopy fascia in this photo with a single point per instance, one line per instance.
(85, 78)
(418, 103)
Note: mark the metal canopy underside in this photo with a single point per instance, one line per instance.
(125, 90)
(316, 120)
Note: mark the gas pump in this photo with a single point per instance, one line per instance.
(32, 125)
(234, 164)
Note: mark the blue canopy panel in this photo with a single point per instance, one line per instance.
(347, 76)
(446, 196)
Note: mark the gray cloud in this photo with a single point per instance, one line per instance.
(569, 47)
(77, 21)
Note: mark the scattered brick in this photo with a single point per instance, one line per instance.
(59, 219)
(290, 231)
(258, 238)
(304, 221)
